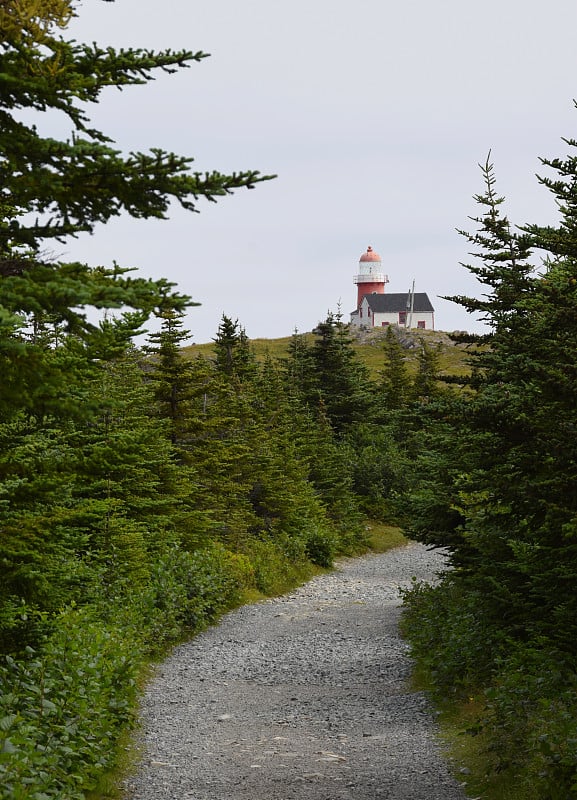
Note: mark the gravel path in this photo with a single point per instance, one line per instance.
(302, 696)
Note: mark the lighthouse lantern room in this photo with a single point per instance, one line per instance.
(370, 278)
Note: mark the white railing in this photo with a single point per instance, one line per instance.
(376, 277)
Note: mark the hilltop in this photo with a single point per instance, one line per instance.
(368, 344)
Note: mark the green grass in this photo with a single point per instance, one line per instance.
(452, 357)
(274, 348)
(383, 537)
(472, 750)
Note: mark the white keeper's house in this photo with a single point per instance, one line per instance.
(376, 309)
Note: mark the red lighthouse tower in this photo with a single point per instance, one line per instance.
(370, 278)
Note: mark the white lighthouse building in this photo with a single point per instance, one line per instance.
(376, 309)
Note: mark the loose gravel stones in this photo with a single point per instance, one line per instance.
(302, 696)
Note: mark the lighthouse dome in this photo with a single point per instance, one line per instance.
(370, 255)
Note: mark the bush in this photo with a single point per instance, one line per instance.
(450, 636)
(187, 591)
(61, 710)
(279, 563)
(321, 546)
(531, 717)
(62, 707)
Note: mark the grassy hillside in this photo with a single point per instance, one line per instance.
(368, 343)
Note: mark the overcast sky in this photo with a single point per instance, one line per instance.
(374, 115)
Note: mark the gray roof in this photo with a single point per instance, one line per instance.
(393, 303)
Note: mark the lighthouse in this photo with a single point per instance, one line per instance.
(375, 309)
(370, 278)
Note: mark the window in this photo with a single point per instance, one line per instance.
(421, 324)
(402, 317)
(385, 323)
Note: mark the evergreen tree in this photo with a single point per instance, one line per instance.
(86, 499)
(170, 372)
(502, 623)
(299, 368)
(515, 460)
(184, 390)
(426, 384)
(51, 357)
(126, 477)
(40, 571)
(395, 380)
(332, 377)
(234, 357)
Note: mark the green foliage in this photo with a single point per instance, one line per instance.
(329, 376)
(367, 345)
(531, 716)
(144, 493)
(525, 727)
(62, 709)
(426, 383)
(451, 635)
(233, 354)
(187, 592)
(100, 517)
(395, 379)
(321, 546)
(278, 564)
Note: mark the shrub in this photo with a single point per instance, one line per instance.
(531, 717)
(187, 592)
(450, 635)
(61, 710)
(62, 707)
(321, 546)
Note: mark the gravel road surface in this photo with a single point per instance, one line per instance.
(302, 696)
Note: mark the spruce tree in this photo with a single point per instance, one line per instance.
(395, 380)
(299, 368)
(426, 384)
(124, 495)
(170, 372)
(233, 355)
(514, 492)
(39, 546)
(333, 379)
(52, 356)
(503, 621)
(51, 189)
